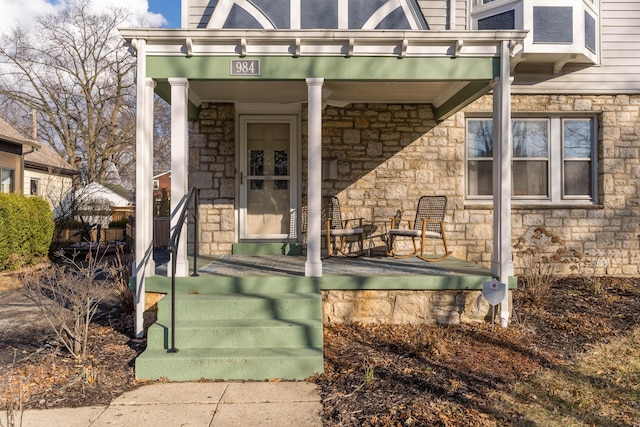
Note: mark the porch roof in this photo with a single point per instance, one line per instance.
(447, 69)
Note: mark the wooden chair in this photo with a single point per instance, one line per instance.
(428, 223)
(337, 228)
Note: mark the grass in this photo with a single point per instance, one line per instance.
(602, 388)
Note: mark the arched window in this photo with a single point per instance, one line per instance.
(314, 14)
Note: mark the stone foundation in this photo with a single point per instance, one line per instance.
(404, 307)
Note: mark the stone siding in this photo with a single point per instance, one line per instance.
(389, 155)
(608, 233)
(212, 158)
(404, 307)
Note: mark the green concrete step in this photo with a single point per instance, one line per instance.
(213, 334)
(243, 328)
(207, 284)
(229, 364)
(262, 305)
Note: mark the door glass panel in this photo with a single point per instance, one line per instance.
(268, 195)
(256, 168)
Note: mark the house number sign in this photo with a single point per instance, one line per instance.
(245, 67)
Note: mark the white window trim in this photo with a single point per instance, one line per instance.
(556, 164)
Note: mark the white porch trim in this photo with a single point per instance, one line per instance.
(179, 166)
(502, 262)
(313, 265)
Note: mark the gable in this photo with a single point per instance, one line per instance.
(313, 14)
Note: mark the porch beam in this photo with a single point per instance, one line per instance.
(143, 264)
(502, 262)
(462, 98)
(313, 265)
(179, 167)
(360, 68)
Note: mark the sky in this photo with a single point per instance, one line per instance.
(158, 13)
(170, 9)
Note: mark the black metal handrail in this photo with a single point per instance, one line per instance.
(172, 247)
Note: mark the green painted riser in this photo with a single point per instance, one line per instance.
(248, 284)
(262, 333)
(235, 306)
(229, 364)
(207, 284)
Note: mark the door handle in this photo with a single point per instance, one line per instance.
(241, 178)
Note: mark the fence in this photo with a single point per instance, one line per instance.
(161, 231)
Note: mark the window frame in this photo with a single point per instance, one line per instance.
(556, 162)
(35, 181)
(12, 183)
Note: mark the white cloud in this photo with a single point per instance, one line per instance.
(24, 13)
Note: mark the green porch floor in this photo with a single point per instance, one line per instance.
(339, 273)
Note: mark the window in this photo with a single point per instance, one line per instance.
(34, 187)
(156, 184)
(7, 180)
(552, 159)
(577, 150)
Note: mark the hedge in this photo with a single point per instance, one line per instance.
(26, 229)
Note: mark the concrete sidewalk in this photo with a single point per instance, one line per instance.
(195, 404)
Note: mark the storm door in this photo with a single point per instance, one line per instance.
(267, 178)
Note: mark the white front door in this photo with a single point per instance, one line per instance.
(268, 178)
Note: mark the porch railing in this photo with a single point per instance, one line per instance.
(172, 247)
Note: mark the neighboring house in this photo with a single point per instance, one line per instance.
(48, 175)
(95, 203)
(161, 182)
(12, 148)
(524, 113)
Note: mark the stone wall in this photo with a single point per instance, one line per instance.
(608, 233)
(404, 307)
(212, 153)
(389, 155)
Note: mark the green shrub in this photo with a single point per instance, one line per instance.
(120, 223)
(26, 228)
(164, 210)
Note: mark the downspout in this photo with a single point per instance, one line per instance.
(452, 14)
(21, 181)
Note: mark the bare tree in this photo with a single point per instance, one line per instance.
(161, 136)
(68, 294)
(75, 71)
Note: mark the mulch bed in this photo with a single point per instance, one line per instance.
(374, 375)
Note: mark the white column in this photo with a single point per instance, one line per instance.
(502, 262)
(149, 92)
(313, 266)
(179, 166)
(143, 264)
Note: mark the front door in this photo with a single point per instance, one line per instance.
(268, 168)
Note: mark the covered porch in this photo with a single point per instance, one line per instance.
(298, 74)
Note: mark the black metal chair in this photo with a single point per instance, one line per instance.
(336, 228)
(428, 223)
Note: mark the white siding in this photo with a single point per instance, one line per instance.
(53, 188)
(462, 19)
(436, 13)
(620, 58)
(198, 13)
